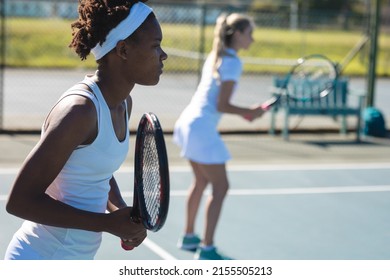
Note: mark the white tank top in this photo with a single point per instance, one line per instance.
(83, 183)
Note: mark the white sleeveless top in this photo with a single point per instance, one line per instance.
(82, 183)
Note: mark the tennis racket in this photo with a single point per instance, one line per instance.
(151, 176)
(312, 77)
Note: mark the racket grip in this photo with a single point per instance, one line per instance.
(126, 247)
(265, 107)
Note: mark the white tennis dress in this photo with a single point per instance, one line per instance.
(84, 184)
(196, 129)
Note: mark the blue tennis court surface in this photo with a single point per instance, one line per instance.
(278, 212)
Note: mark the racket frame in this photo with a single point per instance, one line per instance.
(283, 90)
(322, 93)
(139, 207)
(139, 210)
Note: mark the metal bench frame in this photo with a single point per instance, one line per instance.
(334, 104)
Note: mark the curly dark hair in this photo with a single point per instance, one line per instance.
(96, 19)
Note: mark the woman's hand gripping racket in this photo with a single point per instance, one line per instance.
(151, 176)
(315, 72)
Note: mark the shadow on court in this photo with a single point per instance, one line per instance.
(335, 143)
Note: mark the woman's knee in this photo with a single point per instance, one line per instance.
(220, 190)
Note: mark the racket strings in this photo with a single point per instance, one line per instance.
(151, 178)
(312, 78)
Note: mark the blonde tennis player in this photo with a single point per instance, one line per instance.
(197, 135)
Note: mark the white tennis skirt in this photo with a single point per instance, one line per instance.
(200, 141)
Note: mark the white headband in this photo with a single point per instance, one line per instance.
(138, 13)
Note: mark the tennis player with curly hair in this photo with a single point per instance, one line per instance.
(65, 190)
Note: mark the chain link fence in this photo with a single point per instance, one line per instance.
(37, 66)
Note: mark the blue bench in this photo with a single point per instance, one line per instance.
(337, 103)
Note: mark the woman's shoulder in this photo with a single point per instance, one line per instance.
(230, 62)
(75, 107)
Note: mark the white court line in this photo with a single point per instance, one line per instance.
(9, 171)
(157, 250)
(279, 191)
(319, 190)
(338, 166)
(287, 191)
(251, 167)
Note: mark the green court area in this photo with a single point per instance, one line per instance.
(43, 43)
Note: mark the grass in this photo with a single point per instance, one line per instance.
(44, 43)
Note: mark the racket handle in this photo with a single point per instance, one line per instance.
(266, 107)
(269, 103)
(126, 247)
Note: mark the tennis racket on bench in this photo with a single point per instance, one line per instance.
(151, 176)
(316, 72)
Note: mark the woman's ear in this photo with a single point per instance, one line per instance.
(121, 49)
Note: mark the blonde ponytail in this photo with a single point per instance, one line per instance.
(225, 27)
(219, 42)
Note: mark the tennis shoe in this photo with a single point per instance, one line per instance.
(189, 243)
(213, 254)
